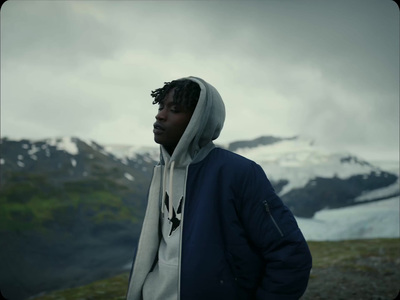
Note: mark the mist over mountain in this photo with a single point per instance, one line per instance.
(74, 205)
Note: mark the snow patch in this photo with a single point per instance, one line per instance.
(129, 177)
(20, 164)
(20, 157)
(73, 162)
(2, 161)
(65, 144)
(33, 150)
(388, 191)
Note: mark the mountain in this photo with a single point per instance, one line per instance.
(73, 208)
(309, 177)
(68, 207)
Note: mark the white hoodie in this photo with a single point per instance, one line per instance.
(160, 241)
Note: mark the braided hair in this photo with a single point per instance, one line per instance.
(186, 93)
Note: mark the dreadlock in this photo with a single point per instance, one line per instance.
(186, 93)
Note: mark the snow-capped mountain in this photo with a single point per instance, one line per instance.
(70, 158)
(310, 177)
(299, 161)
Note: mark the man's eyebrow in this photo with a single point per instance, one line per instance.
(174, 103)
(169, 104)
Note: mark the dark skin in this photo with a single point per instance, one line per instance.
(171, 122)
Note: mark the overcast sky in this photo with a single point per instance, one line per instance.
(328, 70)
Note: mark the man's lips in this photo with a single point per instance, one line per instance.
(158, 128)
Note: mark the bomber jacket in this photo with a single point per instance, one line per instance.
(240, 241)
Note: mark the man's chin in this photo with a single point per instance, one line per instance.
(157, 140)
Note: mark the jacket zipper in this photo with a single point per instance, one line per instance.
(267, 209)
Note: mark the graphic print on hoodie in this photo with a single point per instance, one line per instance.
(176, 215)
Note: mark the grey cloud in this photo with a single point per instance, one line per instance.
(51, 34)
(329, 63)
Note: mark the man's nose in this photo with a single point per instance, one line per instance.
(161, 115)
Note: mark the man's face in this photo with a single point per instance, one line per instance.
(171, 122)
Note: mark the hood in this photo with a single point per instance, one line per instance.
(204, 126)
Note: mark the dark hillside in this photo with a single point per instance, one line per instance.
(66, 217)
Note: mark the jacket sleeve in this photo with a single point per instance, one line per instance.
(273, 230)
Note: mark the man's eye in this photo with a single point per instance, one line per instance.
(175, 108)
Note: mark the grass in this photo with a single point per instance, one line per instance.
(355, 269)
(349, 254)
(37, 212)
(356, 255)
(112, 288)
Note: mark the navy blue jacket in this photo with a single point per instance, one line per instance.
(239, 240)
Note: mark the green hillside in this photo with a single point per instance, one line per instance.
(31, 202)
(357, 269)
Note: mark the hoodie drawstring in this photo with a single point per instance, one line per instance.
(171, 175)
(163, 188)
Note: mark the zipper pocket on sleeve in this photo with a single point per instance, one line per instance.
(267, 209)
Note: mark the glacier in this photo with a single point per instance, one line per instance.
(379, 219)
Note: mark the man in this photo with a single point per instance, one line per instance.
(214, 227)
